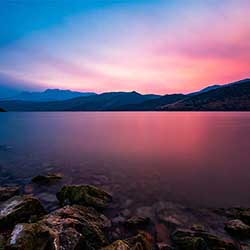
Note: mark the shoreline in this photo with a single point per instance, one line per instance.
(166, 225)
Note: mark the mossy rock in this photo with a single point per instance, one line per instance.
(68, 228)
(84, 195)
(142, 241)
(194, 240)
(84, 224)
(34, 236)
(20, 209)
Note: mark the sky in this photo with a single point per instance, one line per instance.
(150, 46)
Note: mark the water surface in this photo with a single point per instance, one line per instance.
(201, 159)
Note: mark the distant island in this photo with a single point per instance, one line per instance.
(229, 97)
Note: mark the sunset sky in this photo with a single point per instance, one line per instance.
(150, 46)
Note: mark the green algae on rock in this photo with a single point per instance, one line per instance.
(191, 240)
(84, 224)
(142, 241)
(84, 195)
(20, 209)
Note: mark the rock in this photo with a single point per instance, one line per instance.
(238, 228)
(145, 212)
(68, 228)
(240, 213)
(46, 179)
(8, 192)
(19, 209)
(84, 195)
(142, 241)
(75, 226)
(137, 222)
(187, 240)
(191, 240)
(32, 236)
(198, 227)
(164, 246)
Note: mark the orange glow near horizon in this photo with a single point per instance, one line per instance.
(163, 52)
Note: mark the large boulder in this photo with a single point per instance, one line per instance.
(20, 209)
(238, 228)
(84, 195)
(30, 237)
(8, 192)
(68, 228)
(194, 240)
(142, 241)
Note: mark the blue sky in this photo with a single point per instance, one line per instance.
(155, 46)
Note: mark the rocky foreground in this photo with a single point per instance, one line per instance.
(80, 224)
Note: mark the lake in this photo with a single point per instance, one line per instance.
(195, 158)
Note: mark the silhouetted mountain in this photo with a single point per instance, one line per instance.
(212, 87)
(48, 95)
(231, 97)
(2, 110)
(104, 102)
(154, 104)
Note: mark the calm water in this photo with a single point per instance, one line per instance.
(142, 158)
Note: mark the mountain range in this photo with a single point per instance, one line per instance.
(230, 97)
(48, 95)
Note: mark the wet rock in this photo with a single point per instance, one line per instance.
(187, 240)
(46, 179)
(238, 228)
(164, 246)
(20, 209)
(145, 212)
(191, 240)
(198, 228)
(137, 222)
(75, 226)
(171, 220)
(68, 228)
(118, 220)
(84, 195)
(8, 192)
(34, 236)
(142, 241)
(240, 213)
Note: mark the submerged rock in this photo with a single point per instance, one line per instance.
(84, 195)
(46, 179)
(137, 222)
(19, 209)
(191, 240)
(238, 228)
(142, 241)
(8, 192)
